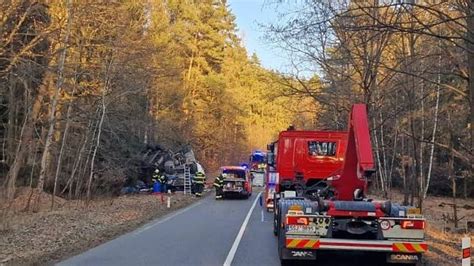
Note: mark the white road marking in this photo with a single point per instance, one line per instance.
(233, 249)
(139, 231)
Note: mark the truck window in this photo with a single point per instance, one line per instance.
(321, 148)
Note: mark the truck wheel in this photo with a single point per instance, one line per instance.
(281, 247)
(275, 221)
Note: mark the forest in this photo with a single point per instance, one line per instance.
(86, 86)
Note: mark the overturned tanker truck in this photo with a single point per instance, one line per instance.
(171, 163)
(318, 192)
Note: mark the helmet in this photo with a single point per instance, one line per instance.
(156, 170)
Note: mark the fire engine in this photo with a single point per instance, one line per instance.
(316, 184)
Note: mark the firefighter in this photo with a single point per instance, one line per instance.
(198, 183)
(161, 179)
(218, 183)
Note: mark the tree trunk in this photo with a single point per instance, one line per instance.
(451, 170)
(421, 189)
(379, 163)
(470, 59)
(46, 158)
(26, 138)
(99, 131)
(433, 134)
(384, 155)
(12, 114)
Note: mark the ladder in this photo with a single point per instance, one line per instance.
(187, 179)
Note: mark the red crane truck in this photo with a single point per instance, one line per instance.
(319, 182)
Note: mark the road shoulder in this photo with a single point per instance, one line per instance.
(50, 236)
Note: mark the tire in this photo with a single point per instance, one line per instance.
(276, 221)
(281, 245)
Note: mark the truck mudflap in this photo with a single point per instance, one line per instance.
(399, 247)
(298, 254)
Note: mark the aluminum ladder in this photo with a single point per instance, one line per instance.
(187, 180)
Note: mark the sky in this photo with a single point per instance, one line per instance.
(249, 14)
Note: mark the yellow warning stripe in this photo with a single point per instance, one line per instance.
(310, 243)
(418, 247)
(401, 247)
(409, 247)
(302, 243)
(293, 243)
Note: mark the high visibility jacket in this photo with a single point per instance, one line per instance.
(199, 179)
(219, 181)
(161, 178)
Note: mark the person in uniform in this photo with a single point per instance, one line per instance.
(218, 184)
(198, 183)
(161, 179)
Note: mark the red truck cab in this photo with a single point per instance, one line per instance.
(310, 156)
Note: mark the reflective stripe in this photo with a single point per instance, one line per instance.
(409, 247)
(302, 243)
(310, 243)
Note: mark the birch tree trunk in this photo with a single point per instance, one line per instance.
(435, 126)
(99, 130)
(377, 155)
(421, 190)
(69, 109)
(46, 158)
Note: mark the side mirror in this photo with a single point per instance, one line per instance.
(270, 147)
(270, 158)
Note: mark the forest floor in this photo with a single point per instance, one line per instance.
(72, 227)
(444, 241)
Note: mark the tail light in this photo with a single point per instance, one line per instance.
(412, 224)
(297, 220)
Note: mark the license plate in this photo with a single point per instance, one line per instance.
(301, 229)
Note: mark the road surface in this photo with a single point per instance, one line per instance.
(209, 232)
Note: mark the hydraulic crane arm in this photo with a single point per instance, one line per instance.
(358, 160)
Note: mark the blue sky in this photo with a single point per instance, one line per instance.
(250, 13)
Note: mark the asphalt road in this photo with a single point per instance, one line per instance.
(208, 232)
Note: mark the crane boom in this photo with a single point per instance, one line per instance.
(358, 159)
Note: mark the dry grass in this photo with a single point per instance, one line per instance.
(443, 239)
(46, 236)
